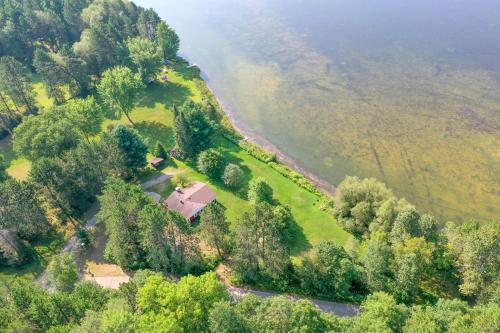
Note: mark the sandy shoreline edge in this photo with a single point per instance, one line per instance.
(262, 142)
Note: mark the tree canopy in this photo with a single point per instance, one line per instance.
(119, 89)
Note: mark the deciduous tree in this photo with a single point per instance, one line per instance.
(233, 176)
(63, 272)
(167, 39)
(476, 248)
(145, 55)
(260, 191)
(119, 89)
(357, 202)
(211, 163)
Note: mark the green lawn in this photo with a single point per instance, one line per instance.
(154, 119)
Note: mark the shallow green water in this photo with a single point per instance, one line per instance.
(405, 91)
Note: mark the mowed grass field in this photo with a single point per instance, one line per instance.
(153, 118)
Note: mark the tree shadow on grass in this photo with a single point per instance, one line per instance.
(154, 132)
(168, 93)
(298, 241)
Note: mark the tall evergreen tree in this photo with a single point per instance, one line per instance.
(132, 145)
(215, 227)
(16, 83)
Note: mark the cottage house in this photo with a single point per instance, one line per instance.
(190, 201)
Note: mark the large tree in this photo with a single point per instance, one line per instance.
(87, 115)
(261, 250)
(3, 169)
(49, 134)
(72, 182)
(142, 233)
(183, 307)
(21, 209)
(329, 272)
(61, 71)
(233, 176)
(192, 129)
(10, 116)
(211, 163)
(476, 248)
(121, 205)
(16, 83)
(413, 264)
(168, 40)
(119, 89)
(377, 261)
(215, 227)
(380, 313)
(145, 55)
(63, 272)
(158, 238)
(259, 191)
(357, 202)
(132, 145)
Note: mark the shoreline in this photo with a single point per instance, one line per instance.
(262, 142)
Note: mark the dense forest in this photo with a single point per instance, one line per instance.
(95, 59)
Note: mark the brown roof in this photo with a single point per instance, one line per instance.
(190, 200)
(156, 161)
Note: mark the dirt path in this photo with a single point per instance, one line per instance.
(339, 309)
(72, 245)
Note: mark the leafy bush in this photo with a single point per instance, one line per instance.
(260, 191)
(233, 176)
(211, 163)
(257, 152)
(180, 179)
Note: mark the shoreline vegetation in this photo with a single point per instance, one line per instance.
(263, 150)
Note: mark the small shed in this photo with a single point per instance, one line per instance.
(155, 162)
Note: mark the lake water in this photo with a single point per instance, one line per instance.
(404, 91)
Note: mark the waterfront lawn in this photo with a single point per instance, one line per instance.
(154, 120)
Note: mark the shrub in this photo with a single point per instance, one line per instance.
(233, 176)
(260, 191)
(180, 179)
(257, 152)
(211, 163)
